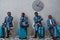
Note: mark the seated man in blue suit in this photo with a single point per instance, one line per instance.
(37, 22)
(8, 23)
(51, 23)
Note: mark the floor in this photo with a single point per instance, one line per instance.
(25, 39)
(29, 38)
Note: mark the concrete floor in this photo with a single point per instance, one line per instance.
(25, 39)
(29, 38)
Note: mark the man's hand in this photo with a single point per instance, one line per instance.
(39, 24)
(54, 24)
(3, 24)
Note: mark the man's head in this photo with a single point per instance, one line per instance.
(9, 13)
(23, 14)
(50, 16)
(36, 13)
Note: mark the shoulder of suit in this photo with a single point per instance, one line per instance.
(39, 16)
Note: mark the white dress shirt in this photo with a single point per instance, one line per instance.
(50, 21)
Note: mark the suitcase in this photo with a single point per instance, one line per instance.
(2, 31)
(22, 32)
(57, 32)
(41, 32)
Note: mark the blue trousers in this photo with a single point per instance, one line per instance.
(51, 30)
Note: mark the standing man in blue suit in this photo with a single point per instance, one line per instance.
(37, 22)
(24, 21)
(51, 23)
(8, 23)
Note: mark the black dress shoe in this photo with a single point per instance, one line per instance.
(7, 37)
(34, 37)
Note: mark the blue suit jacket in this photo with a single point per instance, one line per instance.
(8, 21)
(48, 22)
(24, 21)
(39, 18)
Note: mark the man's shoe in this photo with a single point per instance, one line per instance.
(7, 37)
(34, 37)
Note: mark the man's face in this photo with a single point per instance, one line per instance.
(23, 14)
(9, 13)
(36, 14)
(50, 17)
